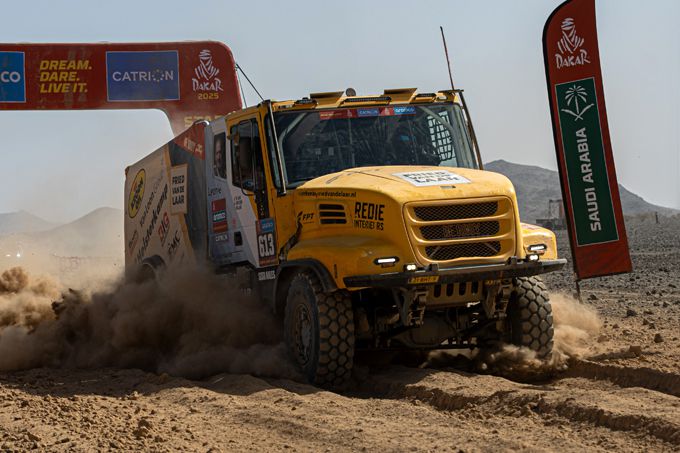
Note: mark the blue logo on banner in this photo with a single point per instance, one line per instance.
(405, 110)
(142, 76)
(12, 81)
(266, 225)
(368, 112)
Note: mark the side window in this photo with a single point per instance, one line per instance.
(220, 156)
(246, 156)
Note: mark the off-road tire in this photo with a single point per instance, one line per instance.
(530, 316)
(329, 359)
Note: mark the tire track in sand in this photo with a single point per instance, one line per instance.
(623, 376)
(639, 412)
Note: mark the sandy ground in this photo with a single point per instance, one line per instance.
(622, 392)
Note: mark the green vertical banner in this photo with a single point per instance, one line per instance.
(590, 190)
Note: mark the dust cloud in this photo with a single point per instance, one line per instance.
(576, 326)
(189, 323)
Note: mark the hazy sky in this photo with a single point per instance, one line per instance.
(60, 165)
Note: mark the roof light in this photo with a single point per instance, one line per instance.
(369, 99)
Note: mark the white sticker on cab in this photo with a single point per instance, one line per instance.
(432, 178)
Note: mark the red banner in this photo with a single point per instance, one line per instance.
(584, 153)
(186, 80)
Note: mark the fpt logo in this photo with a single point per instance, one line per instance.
(12, 80)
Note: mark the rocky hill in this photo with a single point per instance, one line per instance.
(536, 185)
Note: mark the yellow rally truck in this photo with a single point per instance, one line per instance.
(366, 222)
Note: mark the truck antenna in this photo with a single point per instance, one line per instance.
(238, 66)
(471, 129)
(446, 52)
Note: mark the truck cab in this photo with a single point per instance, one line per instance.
(367, 222)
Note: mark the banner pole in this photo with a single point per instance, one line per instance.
(578, 289)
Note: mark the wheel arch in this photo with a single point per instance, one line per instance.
(287, 271)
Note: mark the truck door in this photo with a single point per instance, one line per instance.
(220, 207)
(255, 232)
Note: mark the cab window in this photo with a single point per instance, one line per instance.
(246, 156)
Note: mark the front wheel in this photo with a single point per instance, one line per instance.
(530, 316)
(319, 331)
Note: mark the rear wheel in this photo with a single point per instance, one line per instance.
(319, 331)
(530, 316)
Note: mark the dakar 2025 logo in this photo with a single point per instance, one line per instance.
(570, 47)
(206, 74)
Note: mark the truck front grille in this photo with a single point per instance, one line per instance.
(468, 231)
(459, 230)
(455, 211)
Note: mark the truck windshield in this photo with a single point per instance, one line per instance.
(316, 143)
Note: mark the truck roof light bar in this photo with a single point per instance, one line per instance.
(369, 99)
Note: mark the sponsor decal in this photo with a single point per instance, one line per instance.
(222, 237)
(142, 76)
(305, 217)
(206, 83)
(372, 111)
(266, 275)
(12, 77)
(266, 242)
(369, 216)
(219, 215)
(570, 47)
(423, 279)
(238, 202)
(364, 112)
(64, 76)
(163, 228)
(457, 230)
(586, 166)
(327, 194)
(173, 245)
(432, 178)
(178, 189)
(404, 110)
(193, 147)
(155, 214)
(136, 193)
(132, 243)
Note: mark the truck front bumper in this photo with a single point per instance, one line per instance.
(480, 272)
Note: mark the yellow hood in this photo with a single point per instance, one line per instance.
(416, 183)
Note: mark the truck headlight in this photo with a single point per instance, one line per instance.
(410, 267)
(538, 249)
(387, 261)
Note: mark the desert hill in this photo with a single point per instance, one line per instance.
(22, 222)
(536, 185)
